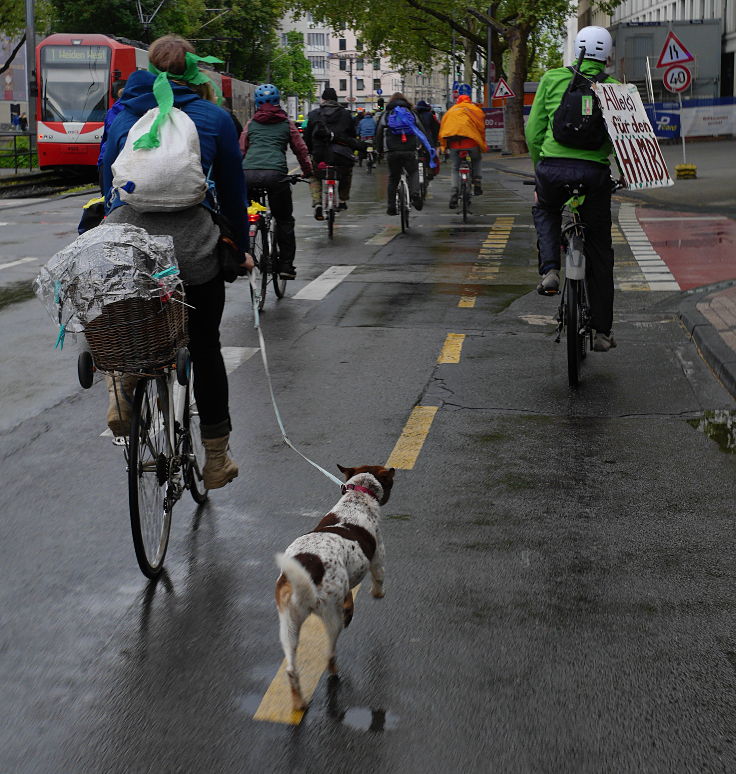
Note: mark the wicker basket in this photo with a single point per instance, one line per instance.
(138, 334)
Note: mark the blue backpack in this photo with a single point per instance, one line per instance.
(401, 121)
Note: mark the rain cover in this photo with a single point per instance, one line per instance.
(109, 263)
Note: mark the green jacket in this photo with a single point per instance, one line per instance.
(552, 87)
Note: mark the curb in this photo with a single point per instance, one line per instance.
(714, 350)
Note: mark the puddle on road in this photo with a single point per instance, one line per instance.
(719, 426)
(367, 719)
(17, 291)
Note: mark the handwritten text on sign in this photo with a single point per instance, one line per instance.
(632, 135)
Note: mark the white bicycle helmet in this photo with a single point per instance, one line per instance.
(597, 42)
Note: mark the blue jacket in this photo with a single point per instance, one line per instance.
(218, 145)
(110, 116)
(367, 127)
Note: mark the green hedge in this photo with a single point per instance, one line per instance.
(8, 157)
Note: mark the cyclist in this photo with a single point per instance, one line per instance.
(263, 143)
(366, 131)
(331, 138)
(558, 165)
(399, 137)
(463, 127)
(195, 234)
(431, 127)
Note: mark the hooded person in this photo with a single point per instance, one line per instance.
(174, 80)
(331, 138)
(463, 128)
(263, 143)
(429, 122)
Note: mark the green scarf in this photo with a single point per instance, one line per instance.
(164, 94)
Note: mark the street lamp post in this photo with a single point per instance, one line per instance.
(31, 64)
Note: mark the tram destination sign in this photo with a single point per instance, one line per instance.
(632, 135)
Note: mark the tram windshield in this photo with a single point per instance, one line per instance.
(75, 81)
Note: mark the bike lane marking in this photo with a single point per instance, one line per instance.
(385, 236)
(18, 262)
(452, 348)
(318, 288)
(275, 706)
(656, 272)
(490, 255)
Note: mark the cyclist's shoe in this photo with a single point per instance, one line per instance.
(287, 271)
(603, 342)
(477, 190)
(453, 200)
(342, 206)
(219, 469)
(550, 283)
(391, 210)
(120, 403)
(318, 214)
(417, 201)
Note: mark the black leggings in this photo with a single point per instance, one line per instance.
(210, 378)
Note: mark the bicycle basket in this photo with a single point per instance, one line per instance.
(138, 334)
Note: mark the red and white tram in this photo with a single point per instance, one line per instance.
(75, 78)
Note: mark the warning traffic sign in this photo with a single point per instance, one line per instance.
(677, 78)
(502, 90)
(674, 52)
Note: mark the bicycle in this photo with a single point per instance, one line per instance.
(403, 201)
(370, 154)
(163, 453)
(264, 246)
(423, 173)
(329, 198)
(464, 188)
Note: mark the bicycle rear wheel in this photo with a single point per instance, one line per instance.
(148, 475)
(279, 285)
(259, 251)
(465, 196)
(192, 451)
(403, 207)
(574, 334)
(330, 223)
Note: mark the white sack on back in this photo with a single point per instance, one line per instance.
(163, 179)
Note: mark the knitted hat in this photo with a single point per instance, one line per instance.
(329, 93)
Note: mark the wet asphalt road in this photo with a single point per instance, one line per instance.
(559, 592)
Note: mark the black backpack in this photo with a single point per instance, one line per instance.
(321, 131)
(578, 121)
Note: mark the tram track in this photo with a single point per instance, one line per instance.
(37, 184)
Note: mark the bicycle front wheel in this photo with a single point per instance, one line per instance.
(148, 475)
(192, 449)
(575, 334)
(259, 251)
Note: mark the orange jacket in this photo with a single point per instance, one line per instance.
(464, 119)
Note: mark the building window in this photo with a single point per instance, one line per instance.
(343, 84)
(376, 84)
(359, 84)
(376, 64)
(316, 39)
(284, 39)
(317, 62)
(359, 64)
(358, 45)
(343, 64)
(309, 17)
(343, 44)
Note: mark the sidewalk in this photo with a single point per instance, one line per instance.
(709, 314)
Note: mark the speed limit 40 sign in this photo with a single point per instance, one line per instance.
(677, 78)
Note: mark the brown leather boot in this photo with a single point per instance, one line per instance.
(120, 389)
(219, 469)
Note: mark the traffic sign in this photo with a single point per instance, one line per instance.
(351, 99)
(379, 92)
(674, 52)
(677, 78)
(502, 90)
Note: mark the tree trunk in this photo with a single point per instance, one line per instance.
(471, 54)
(517, 69)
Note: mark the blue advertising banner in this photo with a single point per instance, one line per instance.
(666, 124)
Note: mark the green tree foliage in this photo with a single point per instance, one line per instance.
(13, 17)
(291, 71)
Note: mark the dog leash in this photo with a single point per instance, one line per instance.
(264, 358)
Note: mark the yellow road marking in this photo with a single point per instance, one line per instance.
(275, 707)
(406, 451)
(466, 302)
(452, 348)
(384, 237)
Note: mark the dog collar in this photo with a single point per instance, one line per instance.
(358, 488)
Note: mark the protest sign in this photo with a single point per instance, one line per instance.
(634, 140)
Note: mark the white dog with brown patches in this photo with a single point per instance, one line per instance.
(319, 569)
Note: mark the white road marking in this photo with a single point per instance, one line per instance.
(233, 357)
(318, 288)
(18, 262)
(686, 217)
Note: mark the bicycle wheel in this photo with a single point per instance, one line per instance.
(192, 451)
(279, 285)
(465, 196)
(403, 207)
(148, 475)
(259, 251)
(574, 333)
(330, 223)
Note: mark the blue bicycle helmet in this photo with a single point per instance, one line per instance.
(463, 88)
(267, 93)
